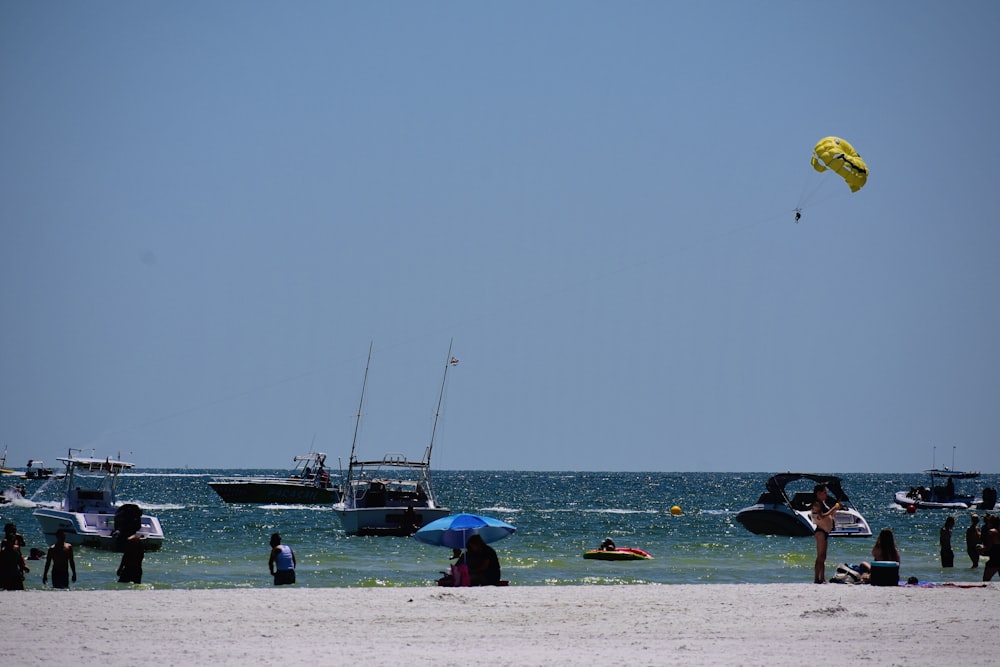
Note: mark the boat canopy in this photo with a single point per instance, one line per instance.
(97, 465)
(776, 484)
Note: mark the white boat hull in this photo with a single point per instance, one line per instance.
(94, 529)
(384, 520)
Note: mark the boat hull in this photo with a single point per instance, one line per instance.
(95, 529)
(776, 519)
(274, 491)
(903, 499)
(621, 553)
(386, 521)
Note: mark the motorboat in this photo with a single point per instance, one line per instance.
(942, 494)
(308, 483)
(784, 510)
(89, 511)
(36, 470)
(393, 495)
(4, 470)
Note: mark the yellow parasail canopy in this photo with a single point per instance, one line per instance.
(840, 157)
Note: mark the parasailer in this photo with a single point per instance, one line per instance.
(839, 156)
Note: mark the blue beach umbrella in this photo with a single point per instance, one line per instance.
(455, 530)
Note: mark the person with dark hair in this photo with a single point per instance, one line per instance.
(823, 518)
(60, 557)
(947, 555)
(885, 546)
(133, 551)
(484, 565)
(991, 545)
(13, 567)
(972, 540)
(282, 561)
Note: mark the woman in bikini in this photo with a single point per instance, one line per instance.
(823, 518)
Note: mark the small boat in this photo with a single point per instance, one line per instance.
(780, 511)
(390, 496)
(36, 470)
(4, 470)
(90, 513)
(308, 483)
(618, 553)
(942, 494)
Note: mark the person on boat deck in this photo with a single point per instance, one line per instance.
(947, 555)
(885, 546)
(607, 545)
(823, 518)
(972, 540)
(60, 557)
(484, 565)
(282, 561)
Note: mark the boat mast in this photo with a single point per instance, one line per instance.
(449, 361)
(361, 403)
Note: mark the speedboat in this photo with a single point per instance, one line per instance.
(942, 494)
(308, 483)
(89, 511)
(391, 495)
(782, 511)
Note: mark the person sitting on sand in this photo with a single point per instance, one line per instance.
(885, 546)
(484, 565)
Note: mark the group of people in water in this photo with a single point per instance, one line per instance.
(979, 542)
(60, 560)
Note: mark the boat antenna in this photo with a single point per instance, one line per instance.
(364, 385)
(449, 361)
(953, 447)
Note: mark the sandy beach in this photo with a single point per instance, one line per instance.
(746, 624)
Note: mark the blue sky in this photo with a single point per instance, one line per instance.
(210, 209)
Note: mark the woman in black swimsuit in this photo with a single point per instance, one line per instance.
(823, 518)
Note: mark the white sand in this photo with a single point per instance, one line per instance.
(748, 624)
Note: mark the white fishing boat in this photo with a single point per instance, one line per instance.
(941, 493)
(392, 495)
(89, 511)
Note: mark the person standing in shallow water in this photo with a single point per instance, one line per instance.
(947, 555)
(282, 561)
(130, 568)
(60, 557)
(972, 540)
(823, 518)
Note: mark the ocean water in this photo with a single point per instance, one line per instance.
(559, 515)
